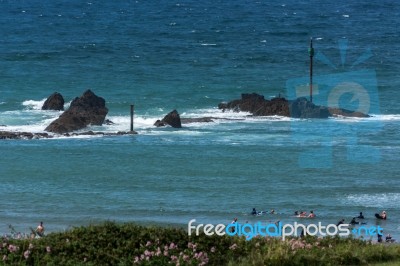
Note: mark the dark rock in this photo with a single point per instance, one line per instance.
(302, 108)
(54, 102)
(88, 109)
(158, 123)
(173, 119)
(28, 135)
(22, 135)
(344, 112)
(197, 120)
(299, 108)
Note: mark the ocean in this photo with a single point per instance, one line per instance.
(190, 56)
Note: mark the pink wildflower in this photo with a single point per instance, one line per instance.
(185, 258)
(212, 249)
(26, 254)
(147, 253)
(48, 249)
(12, 248)
(165, 253)
(30, 246)
(172, 246)
(148, 243)
(166, 247)
(136, 260)
(233, 247)
(190, 245)
(174, 258)
(158, 253)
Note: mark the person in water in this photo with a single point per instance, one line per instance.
(383, 215)
(40, 229)
(340, 222)
(353, 221)
(254, 212)
(272, 211)
(232, 229)
(361, 216)
(311, 215)
(303, 214)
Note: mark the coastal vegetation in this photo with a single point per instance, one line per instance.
(129, 244)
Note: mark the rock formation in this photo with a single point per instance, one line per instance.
(173, 119)
(54, 102)
(299, 108)
(28, 135)
(88, 109)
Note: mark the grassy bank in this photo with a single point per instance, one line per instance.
(127, 244)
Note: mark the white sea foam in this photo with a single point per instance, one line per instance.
(389, 117)
(378, 200)
(32, 104)
(372, 118)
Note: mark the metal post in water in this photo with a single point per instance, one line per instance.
(311, 52)
(132, 111)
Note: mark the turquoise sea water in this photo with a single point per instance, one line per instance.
(191, 55)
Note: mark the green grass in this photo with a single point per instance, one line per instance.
(130, 244)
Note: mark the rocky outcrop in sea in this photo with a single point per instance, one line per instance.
(172, 118)
(54, 102)
(89, 109)
(299, 108)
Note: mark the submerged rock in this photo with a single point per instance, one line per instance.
(299, 108)
(54, 102)
(22, 135)
(88, 109)
(29, 135)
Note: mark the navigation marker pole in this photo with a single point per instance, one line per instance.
(132, 111)
(311, 52)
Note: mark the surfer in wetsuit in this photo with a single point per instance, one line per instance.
(361, 216)
(353, 221)
(254, 212)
